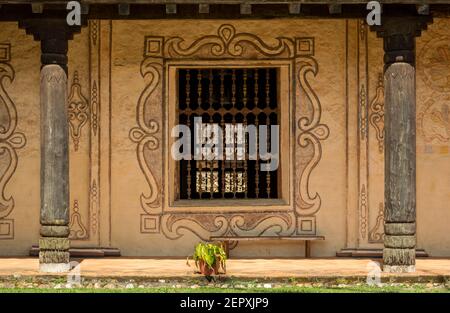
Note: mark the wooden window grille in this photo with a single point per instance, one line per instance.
(228, 97)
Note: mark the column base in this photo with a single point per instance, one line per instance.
(54, 254)
(399, 268)
(54, 267)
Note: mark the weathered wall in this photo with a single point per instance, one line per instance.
(118, 144)
(19, 140)
(433, 138)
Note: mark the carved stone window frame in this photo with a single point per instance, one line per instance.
(306, 129)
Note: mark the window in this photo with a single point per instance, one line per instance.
(231, 99)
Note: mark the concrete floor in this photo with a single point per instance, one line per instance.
(242, 268)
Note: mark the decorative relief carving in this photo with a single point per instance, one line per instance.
(434, 63)
(94, 108)
(311, 131)
(93, 24)
(10, 141)
(434, 119)
(362, 28)
(78, 111)
(144, 135)
(5, 52)
(77, 230)
(433, 122)
(377, 113)
(209, 224)
(54, 78)
(376, 234)
(93, 199)
(363, 209)
(229, 43)
(363, 112)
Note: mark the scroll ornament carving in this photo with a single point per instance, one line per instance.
(311, 133)
(377, 113)
(144, 135)
(245, 224)
(10, 140)
(229, 43)
(78, 111)
(376, 234)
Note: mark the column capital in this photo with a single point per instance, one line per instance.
(399, 33)
(402, 25)
(54, 34)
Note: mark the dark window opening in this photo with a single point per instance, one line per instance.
(228, 97)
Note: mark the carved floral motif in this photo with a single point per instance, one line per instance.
(78, 111)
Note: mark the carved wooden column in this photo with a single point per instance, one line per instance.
(54, 217)
(400, 142)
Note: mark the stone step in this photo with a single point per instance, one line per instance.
(90, 252)
(372, 253)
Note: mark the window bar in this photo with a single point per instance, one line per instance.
(268, 89)
(233, 88)
(212, 158)
(268, 147)
(268, 125)
(256, 88)
(211, 88)
(199, 87)
(257, 141)
(199, 162)
(257, 160)
(222, 100)
(234, 162)
(244, 99)
(188, 101)
(222, 176)
(246, 158)
(233, 104)
(189, 166)
(188, 89)
(222, 87)
(244, 88)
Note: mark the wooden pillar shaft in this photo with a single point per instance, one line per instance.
(400, 167)
(54, 35)
(400, 141)
(54, 242)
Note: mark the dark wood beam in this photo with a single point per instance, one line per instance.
(171, 8)
(14, 12)
(37, 8)
(295, 8)
(213, 2)
(203, 8)
(124, 9)
(246, 8)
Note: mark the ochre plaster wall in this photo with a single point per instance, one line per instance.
(119, 174)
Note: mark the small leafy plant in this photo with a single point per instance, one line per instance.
(209, 258)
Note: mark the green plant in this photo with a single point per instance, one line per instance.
(209, 255)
